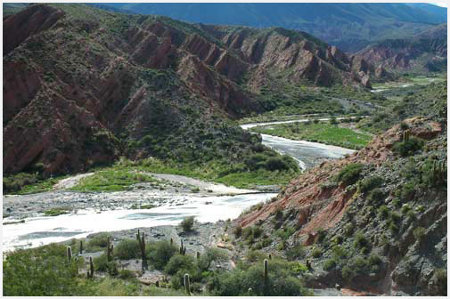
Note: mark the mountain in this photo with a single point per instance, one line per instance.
(83, 86)
(375, 221)
(350, 26)
(425, 52)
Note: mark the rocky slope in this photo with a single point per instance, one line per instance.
(425, 52)
(83, 86)
(374, 221)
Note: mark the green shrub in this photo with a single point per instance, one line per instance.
(348, 229)
(336, 240)
(316, 252)
(371, 183)
(360, 241)
(347, 273)
(98, 240)
(42, 271)
(339, 252)
(179, 262)
(160, 253)
(212, 255)
(374, 259)
(127, 249)
(237, 231)
(188, 223)
(282, 281)
(126, 274)
(376, 196)
(408, 191)
(383, 212)
(329, 264)
(350, 173)
(295, 252)
(408, 147)
(419, 233)
(440, 276)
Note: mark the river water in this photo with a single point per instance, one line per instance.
(41, 230)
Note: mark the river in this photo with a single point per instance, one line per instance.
(111, 211)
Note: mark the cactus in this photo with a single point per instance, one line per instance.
(406, 135)
(81, 246)
(187, 286)
(109, 249)
(266, 269)
(141, 240)
(91, 268)
(270, 256)
(182, 248)
(69, 253)
(198, 255)
(171, 241)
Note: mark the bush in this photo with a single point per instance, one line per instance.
(295, 252)
(316, 252)
(276, 163)
(42, 271)
(347, 273)
(408, 147)
(282, 281)
(211, 255)
(383, 212)
(370, 183)
(160, 253)
(237, 231)
(374, 259)
(350, 173)
(376, 196)
(419, 233)
(180, 262)
(348, 229)
(126, 274)
(360, 241)
(98, 240)
(127, 249)
(329, 264)
(188, 223)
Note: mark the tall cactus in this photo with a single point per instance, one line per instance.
(266, 269)
(81, 246)
(182, 248)
(198, 255)
(69, 253)
(90, 272)
(141, 240)
(109, 249)
(171, 241)
(406, 135)
(187, 285)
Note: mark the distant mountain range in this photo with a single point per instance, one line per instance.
(351, 27)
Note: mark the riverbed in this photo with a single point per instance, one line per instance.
(112, 211)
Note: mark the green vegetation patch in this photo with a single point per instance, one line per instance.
(112, 180)
(318, 132)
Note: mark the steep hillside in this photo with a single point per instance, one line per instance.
(348, 26)
(374, 221)
(83, 86)
(425, 52)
